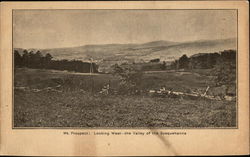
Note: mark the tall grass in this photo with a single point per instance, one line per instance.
(78, 106)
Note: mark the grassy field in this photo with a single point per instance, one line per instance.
(75, 105)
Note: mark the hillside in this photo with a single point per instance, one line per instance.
(108, 54)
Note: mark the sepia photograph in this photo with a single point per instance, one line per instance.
(124, 68)
(124, 78)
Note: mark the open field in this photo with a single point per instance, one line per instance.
(74, 104)
(177, 81)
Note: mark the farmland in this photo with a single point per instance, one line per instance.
(76, 102)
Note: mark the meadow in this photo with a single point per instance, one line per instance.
(76, 101)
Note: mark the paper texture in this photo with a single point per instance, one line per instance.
(124, 78)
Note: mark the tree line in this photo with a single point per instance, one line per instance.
(39, 61)
(222, 65)
(204, 60)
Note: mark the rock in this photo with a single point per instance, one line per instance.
(151, 91)
(229, 98)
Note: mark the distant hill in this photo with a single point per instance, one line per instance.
(108, 54)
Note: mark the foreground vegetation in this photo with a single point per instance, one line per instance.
(76, 103)
(79, 109)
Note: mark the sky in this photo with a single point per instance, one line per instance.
(68, 28)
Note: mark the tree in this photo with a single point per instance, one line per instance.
(225, 73)
(224, 76)
(163, 66)
(48, 57)
(25, 61)
(17, 59)
(38, 59)
(183, 62)
(47, 60)
(130, 79)
(31, 60)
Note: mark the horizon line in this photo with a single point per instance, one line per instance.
(125, 43)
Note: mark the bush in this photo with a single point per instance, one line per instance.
(130, 79)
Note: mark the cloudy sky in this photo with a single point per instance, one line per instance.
(67, 28)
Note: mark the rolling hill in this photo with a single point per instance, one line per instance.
(109, 54)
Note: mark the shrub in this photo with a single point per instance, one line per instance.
(130, 79)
